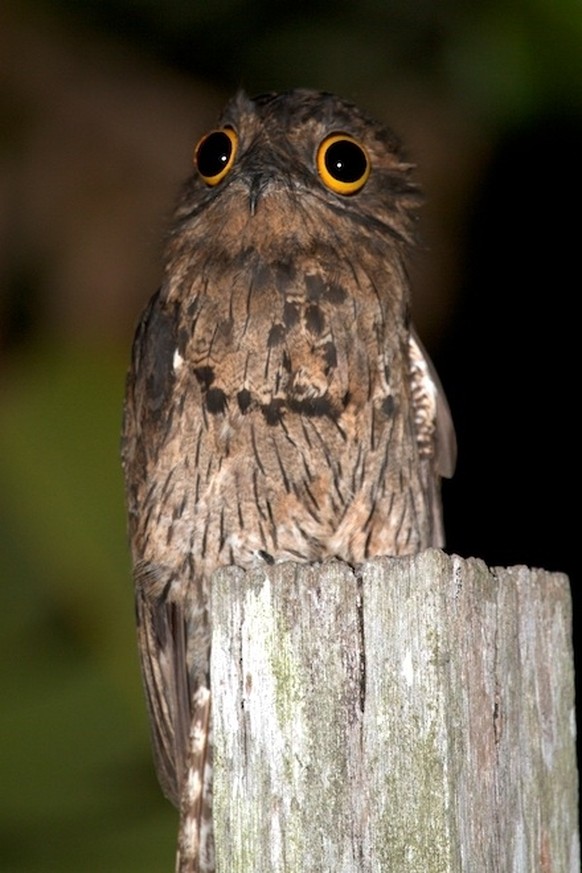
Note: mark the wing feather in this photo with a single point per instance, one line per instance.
(162, 638)
(434, 419)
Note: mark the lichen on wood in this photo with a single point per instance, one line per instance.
(416, 714)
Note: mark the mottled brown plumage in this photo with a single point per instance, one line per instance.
(279, 406)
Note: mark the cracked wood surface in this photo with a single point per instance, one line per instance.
(417, 715)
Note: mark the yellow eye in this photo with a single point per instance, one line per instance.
(215, 154)
(343, 163)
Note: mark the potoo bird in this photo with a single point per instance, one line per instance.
(279, 404)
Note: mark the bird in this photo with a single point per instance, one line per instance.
(279, 404)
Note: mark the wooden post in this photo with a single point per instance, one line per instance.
(414, 717)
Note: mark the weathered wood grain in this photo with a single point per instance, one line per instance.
(417, 715)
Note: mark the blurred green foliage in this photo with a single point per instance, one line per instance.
(500, 60)
(78, 788)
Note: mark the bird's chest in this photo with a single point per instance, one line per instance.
(291, 423)
(272, 481)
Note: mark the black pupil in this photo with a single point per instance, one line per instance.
(214, 154)
(345, 161)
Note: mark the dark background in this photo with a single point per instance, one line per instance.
(100, 106)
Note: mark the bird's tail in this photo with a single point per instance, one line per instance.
(195, 837)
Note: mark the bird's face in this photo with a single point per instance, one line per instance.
(302, 165)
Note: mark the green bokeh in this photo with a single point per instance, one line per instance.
(78, 787)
